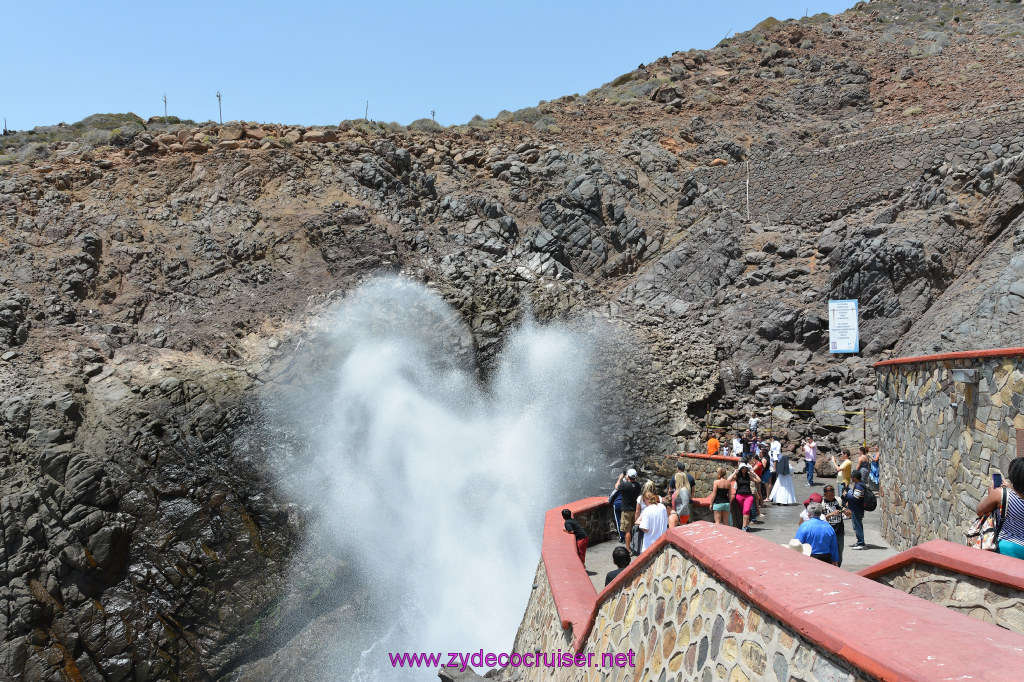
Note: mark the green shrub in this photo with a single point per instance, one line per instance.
(766, 26)
(527, 115)
(123, 136)
(912, 111)
(425, 125)
(33, 151)
(108, 121)
(95, 138)
(623, 79)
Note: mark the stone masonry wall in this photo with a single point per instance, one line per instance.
(599, 523)
(811, 187)
(704, 469)
(974, 597)
(682, 624)
(541, 629)
(939, 440)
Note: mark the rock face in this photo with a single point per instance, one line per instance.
(154, 292)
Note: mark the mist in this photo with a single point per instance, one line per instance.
(432, 482)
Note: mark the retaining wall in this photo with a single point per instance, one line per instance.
(810, 187)
(985, 586)
(940, 438)
(711, 602)
(704, 469)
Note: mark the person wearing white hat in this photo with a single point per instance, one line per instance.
(630, 491)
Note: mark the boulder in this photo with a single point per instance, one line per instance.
(830, 411)
(255, 133)
(320, 136)
(231, 131)
(293, 136)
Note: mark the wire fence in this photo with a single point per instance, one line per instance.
(862, 413)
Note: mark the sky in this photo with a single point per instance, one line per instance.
(311, 63)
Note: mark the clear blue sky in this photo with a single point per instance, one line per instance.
(319, 62)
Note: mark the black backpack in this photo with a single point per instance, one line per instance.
(870, 501)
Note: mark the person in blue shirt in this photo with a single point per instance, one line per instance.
(819, 535)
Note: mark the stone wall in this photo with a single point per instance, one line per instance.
(985, 586)
(816, 186)
(709, 602)
(599, 522)
(940, 438)
(680, 623)
(541, 629)
(704, 469)
(971, 596)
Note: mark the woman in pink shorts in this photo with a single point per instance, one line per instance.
(745, 478)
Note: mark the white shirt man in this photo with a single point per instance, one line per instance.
(775, 452)
(654, 522)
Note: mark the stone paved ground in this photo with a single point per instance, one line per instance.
(779, 526)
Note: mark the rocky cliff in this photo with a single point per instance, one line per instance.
(160, 283)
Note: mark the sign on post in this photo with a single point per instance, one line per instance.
(843, 336)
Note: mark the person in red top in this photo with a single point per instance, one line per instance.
(713, 445)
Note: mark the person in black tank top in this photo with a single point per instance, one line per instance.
(745, 478)
(722, 488)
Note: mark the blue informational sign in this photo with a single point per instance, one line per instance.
(843, 333)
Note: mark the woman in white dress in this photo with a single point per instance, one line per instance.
(782, 491)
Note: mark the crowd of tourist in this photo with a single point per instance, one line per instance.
(762, 476)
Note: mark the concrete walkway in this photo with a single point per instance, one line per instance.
(779, 526)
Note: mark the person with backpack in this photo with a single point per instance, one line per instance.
(858, 500)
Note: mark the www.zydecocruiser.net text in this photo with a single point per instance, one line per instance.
(478, 659)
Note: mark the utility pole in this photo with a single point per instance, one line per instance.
(432, 112)
(165, 107)
(366, 115)
(220, 110)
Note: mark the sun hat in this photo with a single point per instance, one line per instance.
(798, 546)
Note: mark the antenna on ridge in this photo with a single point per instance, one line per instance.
(220, 110)
(165, 107)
